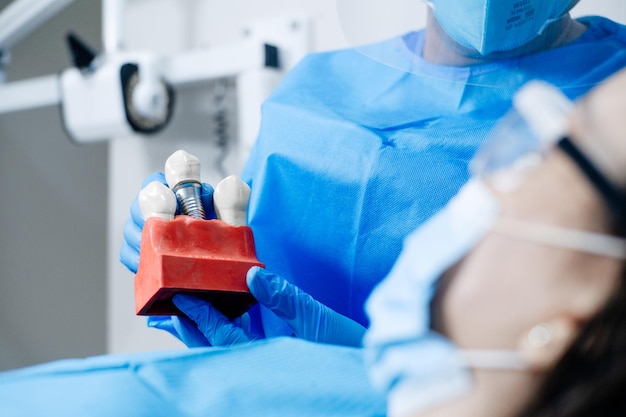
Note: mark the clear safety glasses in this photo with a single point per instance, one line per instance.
(518, 142)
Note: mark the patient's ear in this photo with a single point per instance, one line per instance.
(544, 344)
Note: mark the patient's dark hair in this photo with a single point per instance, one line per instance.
(590, 379)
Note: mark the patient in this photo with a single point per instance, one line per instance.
(534, 316)
(531, 299)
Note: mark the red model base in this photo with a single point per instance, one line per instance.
(206, 258)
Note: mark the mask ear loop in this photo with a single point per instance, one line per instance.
(495, 359)
(594, 243)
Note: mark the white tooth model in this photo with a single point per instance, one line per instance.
(182, 173)
(156, 200)
(231, 197)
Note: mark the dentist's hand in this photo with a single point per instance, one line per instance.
(129, 253)
(181, 327)
(308, 318)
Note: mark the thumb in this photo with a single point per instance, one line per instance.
(308, 318)
(278, 295)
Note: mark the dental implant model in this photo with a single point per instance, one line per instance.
(182, 173)
(208, 258)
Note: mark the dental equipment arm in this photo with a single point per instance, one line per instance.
(145, 101)
(18, 20)
(21, 17)
(124, 93)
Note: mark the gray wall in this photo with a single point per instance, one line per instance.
(53, 211)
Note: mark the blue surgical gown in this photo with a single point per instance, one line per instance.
(352, 154)
(279, 377)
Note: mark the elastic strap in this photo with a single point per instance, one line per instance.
(594, 243)
(611, 195)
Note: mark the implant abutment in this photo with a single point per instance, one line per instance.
(189, 197)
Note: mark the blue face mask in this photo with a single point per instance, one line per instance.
(497, 25)
(417, 367)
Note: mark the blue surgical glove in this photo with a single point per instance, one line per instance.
(308, 318)
(129, 253)
(181, 327)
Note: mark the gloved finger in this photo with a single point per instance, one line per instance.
(216, 327)
(132, 233)
(207, 200)
(273, 292)
(155, 176)
(136, 215)
(308, 318)
(181, 327)
(129, 257)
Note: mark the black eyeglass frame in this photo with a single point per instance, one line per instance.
(613, 197)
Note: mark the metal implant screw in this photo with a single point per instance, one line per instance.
(189, 197)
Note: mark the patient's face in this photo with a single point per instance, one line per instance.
(508, 285)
